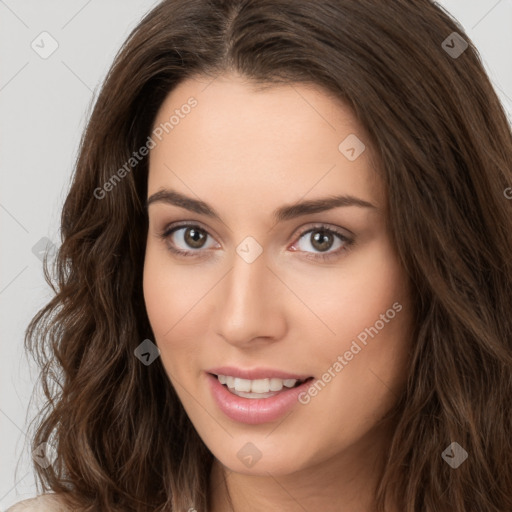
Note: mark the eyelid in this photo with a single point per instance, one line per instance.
(174, 226)
(326, 226)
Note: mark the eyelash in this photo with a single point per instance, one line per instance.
(318, 256)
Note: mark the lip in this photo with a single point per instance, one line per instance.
(254, 411)
(255, 373)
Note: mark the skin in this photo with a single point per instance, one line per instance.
(247, 152)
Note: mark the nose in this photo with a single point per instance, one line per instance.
(250, 306)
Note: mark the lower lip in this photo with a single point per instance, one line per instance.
(254, 411)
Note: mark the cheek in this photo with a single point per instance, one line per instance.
(157, 293)
(172, 295)
(370, 314)
(351, 297)
(368, 311)
(169, 291)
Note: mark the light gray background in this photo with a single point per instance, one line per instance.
(44, 105)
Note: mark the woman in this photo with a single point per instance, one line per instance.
(285, 276)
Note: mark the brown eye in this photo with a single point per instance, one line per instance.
(194, 237)
(186, 240)
(322, 240)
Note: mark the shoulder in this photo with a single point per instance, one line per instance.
(43, 503)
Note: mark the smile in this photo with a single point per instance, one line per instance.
(255, 401)
(258, 388)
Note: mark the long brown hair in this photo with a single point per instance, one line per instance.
(122, 438)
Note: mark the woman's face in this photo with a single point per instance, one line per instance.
(276, 284)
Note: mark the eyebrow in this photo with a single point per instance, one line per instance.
(283, 213)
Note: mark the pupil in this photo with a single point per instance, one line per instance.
(322, 240)
(193, 237)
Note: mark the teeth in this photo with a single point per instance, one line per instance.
(242, 385)
(276, 384)
(257, 385)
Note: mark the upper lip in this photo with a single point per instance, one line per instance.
(256, 373)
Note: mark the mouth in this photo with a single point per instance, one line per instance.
(258, 388)
(256, 401)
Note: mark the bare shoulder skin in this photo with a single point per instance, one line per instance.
(43, 503)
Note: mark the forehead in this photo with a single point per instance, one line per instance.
(252, 145)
